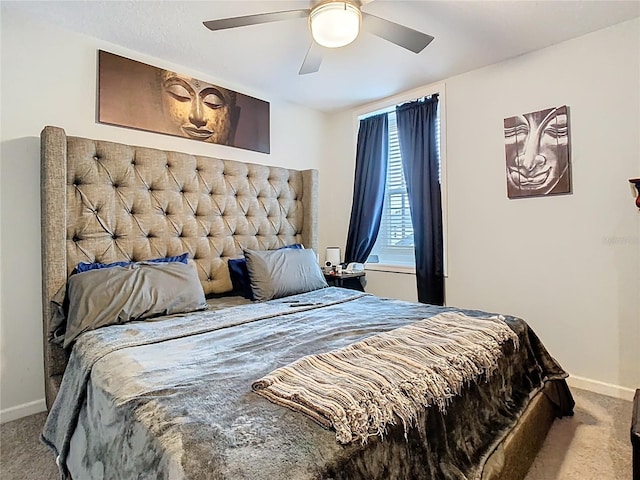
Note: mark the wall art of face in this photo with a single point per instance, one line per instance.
(537, 153)
(199, 110)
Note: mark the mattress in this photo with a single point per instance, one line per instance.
(172, 398)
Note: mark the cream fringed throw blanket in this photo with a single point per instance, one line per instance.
(360, 389)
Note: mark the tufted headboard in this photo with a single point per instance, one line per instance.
(106, 202)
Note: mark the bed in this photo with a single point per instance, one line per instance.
(210, 392)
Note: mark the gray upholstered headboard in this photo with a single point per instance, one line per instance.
(105, 202)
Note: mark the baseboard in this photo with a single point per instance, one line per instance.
(24, 410)
(602, 388)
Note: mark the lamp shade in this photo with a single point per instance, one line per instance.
(332, 255)
(335, 24)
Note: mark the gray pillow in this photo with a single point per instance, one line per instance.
(109, 296)
(279, 273)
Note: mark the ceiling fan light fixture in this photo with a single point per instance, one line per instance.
(335, 24)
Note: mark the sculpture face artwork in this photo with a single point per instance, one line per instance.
(197, 109)
(537, 153)
(137, 95)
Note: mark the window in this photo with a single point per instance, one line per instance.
(394, 245)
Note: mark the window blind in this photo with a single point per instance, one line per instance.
(399, 229)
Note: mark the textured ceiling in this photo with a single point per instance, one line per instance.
(266, 58)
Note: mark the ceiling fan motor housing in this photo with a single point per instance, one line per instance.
(335, 24)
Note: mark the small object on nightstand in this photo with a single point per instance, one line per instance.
(332, 256)
(354, 267)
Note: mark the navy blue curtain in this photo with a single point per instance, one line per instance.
(368, 189)
(417, 137)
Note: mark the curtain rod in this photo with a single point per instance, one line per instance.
(391, 108)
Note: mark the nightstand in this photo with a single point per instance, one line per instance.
(346, 280)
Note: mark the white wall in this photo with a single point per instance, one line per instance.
(336, 183)
(49, 78)
(569, 265)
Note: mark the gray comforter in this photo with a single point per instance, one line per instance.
(172, 399)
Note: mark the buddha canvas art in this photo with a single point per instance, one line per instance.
(136, 95)
(537, 153)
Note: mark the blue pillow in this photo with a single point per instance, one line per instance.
(85, 267)
(240, 277)
(240, 274)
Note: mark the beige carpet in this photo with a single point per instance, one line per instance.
(592, 445)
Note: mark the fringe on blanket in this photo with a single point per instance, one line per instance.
(361, 389)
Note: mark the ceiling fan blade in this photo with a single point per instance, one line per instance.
(233, 22)
(312, 60)
(395, 33)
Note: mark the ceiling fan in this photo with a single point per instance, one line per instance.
(333, 24)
